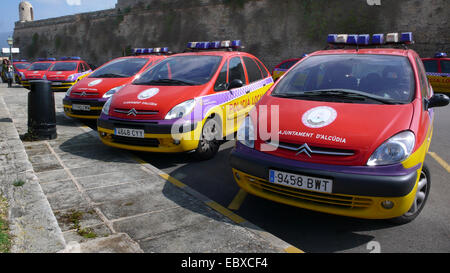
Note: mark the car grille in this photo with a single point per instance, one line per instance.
(305, 196)
(83, 94)
(147, 142)
(313, 149)
(135, 112)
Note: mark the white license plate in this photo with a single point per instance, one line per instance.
(56, 83)
(127, 132)
(81, 107)
(301, 181)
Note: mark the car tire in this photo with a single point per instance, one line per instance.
(423, 190)
(210, 139)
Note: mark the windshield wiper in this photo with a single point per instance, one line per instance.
(338, 93)
(167, 82)
(111, 75)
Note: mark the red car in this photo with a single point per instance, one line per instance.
(86, 98)
(20, 66)
(438, 72)
(284, 66)
(36, 71)
(187, 102)
(350, 134)
(66, 72)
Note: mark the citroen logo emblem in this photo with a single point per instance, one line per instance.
(132, 112)
(83, 94)
(304, 149)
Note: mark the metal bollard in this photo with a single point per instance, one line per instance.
(41, 110)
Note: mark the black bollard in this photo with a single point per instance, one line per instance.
(41, 110)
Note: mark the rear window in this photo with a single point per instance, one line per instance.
(64, 67)
(431, 65)
(383, 76)
(121, 68)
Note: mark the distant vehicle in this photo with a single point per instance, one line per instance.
(354, 127)
(284, 66)
(66, 72)
(438, 72)
(187, 102)
(86, 98)
(36, 71)
(20, 66)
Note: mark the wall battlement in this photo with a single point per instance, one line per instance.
(271, 30)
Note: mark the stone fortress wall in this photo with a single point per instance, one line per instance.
(271, 30)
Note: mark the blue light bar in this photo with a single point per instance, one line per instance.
(214, 44)
(147, 50)
(23, 60)
(203, 45)
(352, 39)
(75, 58)
(363, 39)
(64, 58)
(138, 50)
(440, 55)
(332, 38)
(51, 59)
(236, 43)
(378, 39)
(41, 59)
(406, 37)
(15, 60)
(164, 49)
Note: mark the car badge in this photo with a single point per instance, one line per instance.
(304, 149)
(95, 82)
(146, 94)
(83, 94)
(318, 117)
(132, 112)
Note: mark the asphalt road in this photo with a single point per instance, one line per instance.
(318, 232)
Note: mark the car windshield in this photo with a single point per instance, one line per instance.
(39, 66)
(22, 65)
(121, 68)
(350, 78)
(181, 70)
(64, 66)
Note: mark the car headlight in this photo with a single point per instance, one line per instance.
(246, 133)
(112, 91)
(68, 91)
(22, 76)
(105, 109)
(181, 109)
(71, 78)
(393, 150)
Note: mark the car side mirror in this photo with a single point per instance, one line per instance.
(236, 83)
(438, 100)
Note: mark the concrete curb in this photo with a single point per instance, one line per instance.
(33, 225)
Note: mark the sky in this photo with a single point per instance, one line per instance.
(44, 9)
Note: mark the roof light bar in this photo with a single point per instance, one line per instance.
(214, 44)
(150, 50)
(365, 39)
(440, 55)
(378, 39)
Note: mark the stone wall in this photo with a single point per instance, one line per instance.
(271, 30)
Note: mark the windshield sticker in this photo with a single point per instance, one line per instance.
(148, 93)
(319, 117)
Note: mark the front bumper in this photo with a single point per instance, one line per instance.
(95, 106)
(157, 136)
(61, 85)
(357, 191)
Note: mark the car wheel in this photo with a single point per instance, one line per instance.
(210, 140)
(423, 190)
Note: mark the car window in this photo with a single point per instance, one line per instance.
(263, 68)
(181, 70)
(253, 71)
(431, 65)
(221, 82)
(445, 66)
(21, 65)
(64, 67)
(236, 70)
(383, 76)
(422, 78)
(121, 68)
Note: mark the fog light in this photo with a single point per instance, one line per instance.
(237, 176)
(387, 204)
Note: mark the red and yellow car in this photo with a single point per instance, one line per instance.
(187, 102)
(20, 66)
(86, 98)
(36, 71)
(283, 67)
(438, 72)
(66, 72)
(350, 132)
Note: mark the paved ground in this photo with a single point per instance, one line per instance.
(96, 191)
